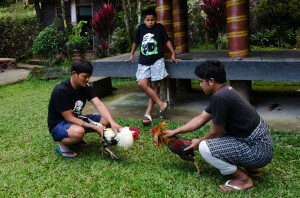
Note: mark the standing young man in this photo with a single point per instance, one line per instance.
(66, 124)
(239, 142)
(153, 38)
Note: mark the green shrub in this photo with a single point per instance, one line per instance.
(19, 26)
(46, 45)
(78, 42)
(281, 15)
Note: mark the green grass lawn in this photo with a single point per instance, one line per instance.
(30, 166)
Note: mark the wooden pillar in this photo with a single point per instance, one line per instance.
(238, 38)
(164, 16)
(238, 27)
(180, 25)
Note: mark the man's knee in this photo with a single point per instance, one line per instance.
(76, 132)
(204, 150)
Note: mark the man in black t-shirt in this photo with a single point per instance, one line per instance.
(66, 124)
(153, 38)
(239, 142)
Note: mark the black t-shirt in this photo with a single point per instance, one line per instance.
(152, 42)
(229, 108)
(63, 98)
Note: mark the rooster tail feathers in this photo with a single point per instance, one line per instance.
(160, 135)
(125, 138)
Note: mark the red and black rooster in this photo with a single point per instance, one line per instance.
(175, 144)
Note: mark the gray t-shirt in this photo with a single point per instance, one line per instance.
(229, 108)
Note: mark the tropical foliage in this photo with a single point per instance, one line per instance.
(103, 24)
(215, 23)
(77, 41)
(47, 44)
(281, 16)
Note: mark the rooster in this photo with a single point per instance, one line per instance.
(175, 144)
(124, 139)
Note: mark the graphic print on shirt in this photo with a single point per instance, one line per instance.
(149, 45)
(78, 107)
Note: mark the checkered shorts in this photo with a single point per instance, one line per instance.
(254, 151)
(155, 72)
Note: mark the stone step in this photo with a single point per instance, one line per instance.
(37, 62)
(28, 66)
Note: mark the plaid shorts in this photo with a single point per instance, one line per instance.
(254, 151)
(155, 72)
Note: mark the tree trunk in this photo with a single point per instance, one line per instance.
(129, 9)
(63, 14)
(139, 12)
(39, 12)
(126, 19)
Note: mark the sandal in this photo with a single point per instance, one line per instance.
(233, 187)
(148, 118)
(66, 154)
(163, 113)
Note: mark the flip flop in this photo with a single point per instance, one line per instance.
(82, 144)
(163, 113)
(62, 153)
(148, 118)
(234, 188)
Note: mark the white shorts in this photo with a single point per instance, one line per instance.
(154, 72)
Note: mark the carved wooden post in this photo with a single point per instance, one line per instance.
(180, 25)
(165, 17)
(238, 39)
(238, 27)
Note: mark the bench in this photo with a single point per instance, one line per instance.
(278, 65)
(8, 63)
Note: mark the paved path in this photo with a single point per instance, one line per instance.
(129, 102)
(13, 76)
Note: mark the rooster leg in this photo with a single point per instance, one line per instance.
(112, 155)
(197, 167)
(103, 151)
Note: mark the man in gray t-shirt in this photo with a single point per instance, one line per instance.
(239, 142)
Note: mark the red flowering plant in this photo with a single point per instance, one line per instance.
(103, 24)
(215, 23)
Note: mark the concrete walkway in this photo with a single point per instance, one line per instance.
(13, 76)
(16, 75)
(129, 102)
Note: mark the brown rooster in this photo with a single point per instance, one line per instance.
(175, 144)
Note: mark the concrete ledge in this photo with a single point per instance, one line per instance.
(49, 73)
(101, 85)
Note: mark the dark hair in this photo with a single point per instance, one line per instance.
(82, 66)
(211, 69)
(149, 11)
